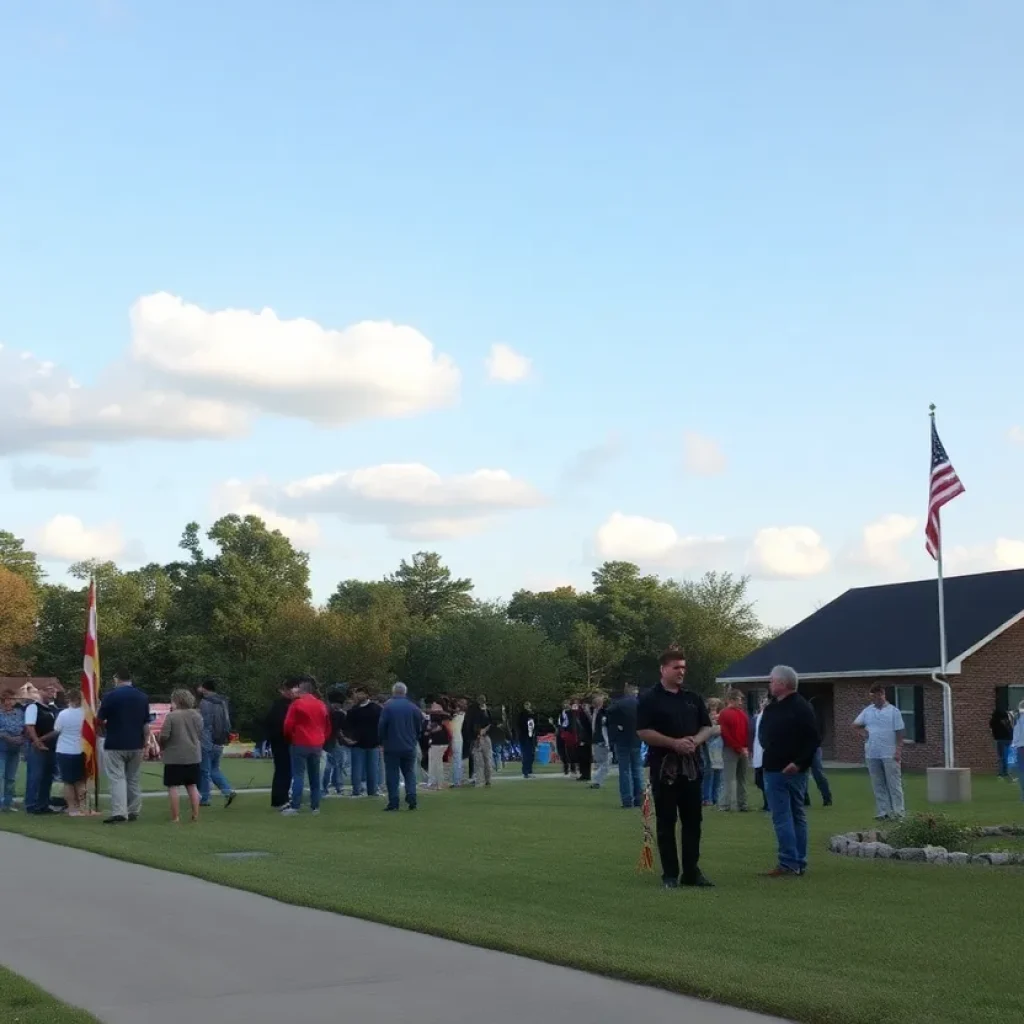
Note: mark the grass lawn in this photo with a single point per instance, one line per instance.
(546, 869)
(23, 1003)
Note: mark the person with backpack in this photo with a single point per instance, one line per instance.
(216, 735)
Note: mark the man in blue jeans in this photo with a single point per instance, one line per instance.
(790, 737)
(216, 733)
(399, 731)
(361, 735)
(622, 736)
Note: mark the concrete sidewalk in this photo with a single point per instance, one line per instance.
(138, 946)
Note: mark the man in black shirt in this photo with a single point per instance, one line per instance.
(674, 723)
(361, 730)
(789, 736)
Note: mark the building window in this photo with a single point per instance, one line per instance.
(1014, 695)
(905, 698)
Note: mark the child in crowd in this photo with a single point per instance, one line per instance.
(70, 758)
(181, 744)
(714, 764)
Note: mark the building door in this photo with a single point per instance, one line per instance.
(822, 699)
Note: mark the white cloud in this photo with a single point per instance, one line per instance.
(47, 478)
(412, 500)
(702, 456)
(1003, 554)
(650, 542)
(236, 497)
(292, 367)
(43, 409)
(506, 364)
(1016, 435)
(881, 544)
(788, 552)
(68, 539)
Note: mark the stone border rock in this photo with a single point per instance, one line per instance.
(872, 846)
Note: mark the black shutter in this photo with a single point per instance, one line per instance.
(1002, 698)
(890, 694)
(919, 714)
(751, 702)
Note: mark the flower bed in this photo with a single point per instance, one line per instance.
(873, 846)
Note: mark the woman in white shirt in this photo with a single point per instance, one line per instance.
(757, 754)
(70, 758)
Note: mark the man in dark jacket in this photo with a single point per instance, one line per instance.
(216, 734)
(527, 729)
(361, 730)
(1001, 725)
(789, 735)
(622, 736)
(280, 787)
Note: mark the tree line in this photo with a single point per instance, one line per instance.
(239, 608)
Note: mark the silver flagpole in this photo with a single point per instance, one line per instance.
(947, 692)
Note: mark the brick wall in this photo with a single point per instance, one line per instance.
(1000, 663)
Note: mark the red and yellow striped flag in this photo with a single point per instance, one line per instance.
(90, 685)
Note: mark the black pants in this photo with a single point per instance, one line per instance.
(679, 800)
(759, 782)
(585, 759)
(280, 788)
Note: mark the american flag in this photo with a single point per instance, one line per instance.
(944, 486)
(90, 686)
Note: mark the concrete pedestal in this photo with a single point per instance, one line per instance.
(949, 785)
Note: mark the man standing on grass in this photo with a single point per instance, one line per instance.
(306, 727)
(622, 735)
(789, 735)
(216, 735)
(527, 738)
(881, 727)
(602, 748)
(363, 735)
(674, 723)
(735, 728)
(124, 718)
(400, 728)
(40, 755)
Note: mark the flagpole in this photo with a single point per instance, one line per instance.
(947, 692)
(96, 703)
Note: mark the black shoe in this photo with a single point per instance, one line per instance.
(669, 883)
(387, 809)
(116, 820)
(827, 803)
(133, 817)
(699, 881)
(412, 807)
(229, 800)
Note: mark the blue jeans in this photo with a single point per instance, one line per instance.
(820, 780)
(631, 775)
(529, 751)
(403, 764)
(39, 779)
(209, 772)
(364, 771)
(10, 754)
(306, 761)
(712, 784)
(786, 801)
(1002, 752)
(336, 767)
(498, 755)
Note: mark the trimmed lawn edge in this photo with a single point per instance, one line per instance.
(24, 1000)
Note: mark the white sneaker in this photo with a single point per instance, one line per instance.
(289, 812)
(315, 813)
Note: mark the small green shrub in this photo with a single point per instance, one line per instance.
(930, 830)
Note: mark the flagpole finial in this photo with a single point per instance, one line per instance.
(931, 410)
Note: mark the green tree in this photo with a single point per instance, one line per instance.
(557, 612)
(60, 633)
(430, 590)
(14, 557)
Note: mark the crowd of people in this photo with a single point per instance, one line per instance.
(698, 753)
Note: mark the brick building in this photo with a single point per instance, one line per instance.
(890, 634)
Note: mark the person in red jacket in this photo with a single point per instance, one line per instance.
(735, 728)
(306, 728)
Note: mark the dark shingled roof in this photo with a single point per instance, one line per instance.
(888, 629)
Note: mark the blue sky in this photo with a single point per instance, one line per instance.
(742, 247)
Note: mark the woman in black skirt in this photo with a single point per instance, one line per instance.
(181, 745)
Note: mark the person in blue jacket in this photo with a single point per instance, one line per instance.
(399, 730)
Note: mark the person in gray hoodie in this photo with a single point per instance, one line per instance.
(216, 734)
(400, 727)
